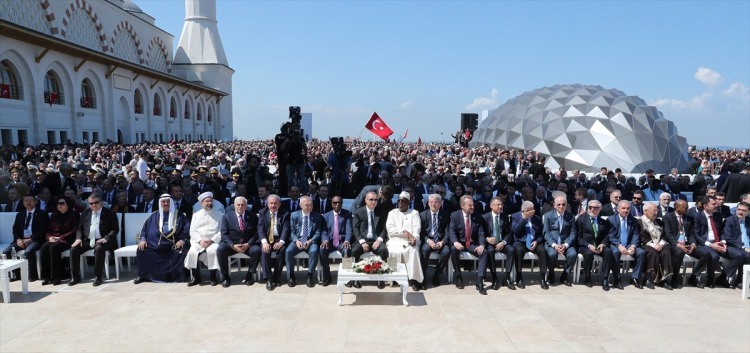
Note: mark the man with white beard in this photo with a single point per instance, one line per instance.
(403, 226)
(205, 235)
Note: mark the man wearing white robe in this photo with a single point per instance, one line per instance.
(403, 228)
(205, 235)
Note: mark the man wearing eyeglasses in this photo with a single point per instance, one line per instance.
(636, 208)
(97, 230)
(337, 238)
(611, 208)
(737, 234)
(560, 239)
(369, 233)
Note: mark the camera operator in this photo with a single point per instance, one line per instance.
(340, 160)
(292, 153)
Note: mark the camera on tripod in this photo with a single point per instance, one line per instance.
(295, 115)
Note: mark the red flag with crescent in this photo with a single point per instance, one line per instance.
(4, 91)
(378, 127)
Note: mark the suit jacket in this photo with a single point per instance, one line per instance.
(633, 231)
(672, 228)
(585, 231)
(700, 226)
(733, 232)
(230, 229)
(554, 234)
(38, 225)
(108, 226)
(287, 205)
(186, 207)
(360, 225)
(645, 235)
(141, 207)
(282, 225)
(56, 187)
(457, 228)
(345, 226)
(489, 221)
(316, 205)
(425, 222)
(500, 166)
(660, 214)
(518, 227)
(736, 185)
(316, 223)
(14, 206)
(608, 210)
(110, 197)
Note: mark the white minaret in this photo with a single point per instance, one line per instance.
(200, 57)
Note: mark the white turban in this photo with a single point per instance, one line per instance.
(204, 195)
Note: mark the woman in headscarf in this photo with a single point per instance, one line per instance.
(61, 232)
(163, 244)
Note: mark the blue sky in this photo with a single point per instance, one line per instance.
(420, 64)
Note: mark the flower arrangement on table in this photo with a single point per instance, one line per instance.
(372, 265)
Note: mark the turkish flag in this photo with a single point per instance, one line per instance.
(377, 126)
(419, 140)
(4, 91)
(52, 98)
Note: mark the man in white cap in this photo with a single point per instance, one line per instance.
(403, 226)
(161, 244)
(205, 235)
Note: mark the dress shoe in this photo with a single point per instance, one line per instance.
(138, 280)
(249, 279)
(480, 288)
(520, 284)
(225, 283)
(97, 282)
(381, 284)
(436, 281)
(56, 282)
(649, 284)
(693, 281)
(194, 281)
(564, 279)
(310, 282)
(213, 282)
(667, 285)
(618, 284)
(495, 285)
(74, 281)
(326, 282)
(509, 284)
(588, 282)
(723, 281)
(637, 283)
(291, 282)
(415, 286)
(269, 285)
(357, 284)
(459, 283)
(16, 278)
(605, 286)
(736, 282)
(545, 285)
(46, 282)
(33, 279)
(349, 284)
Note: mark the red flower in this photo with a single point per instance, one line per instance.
(376, 266)
(367, 268)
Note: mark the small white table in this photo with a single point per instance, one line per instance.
(745, 281)
(399, 276)
(9, 265)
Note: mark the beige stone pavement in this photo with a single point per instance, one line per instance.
(150, 317)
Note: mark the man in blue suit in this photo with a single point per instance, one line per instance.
(273, 232)
(560, 238)
(624, 240)
(338, 236)
(307, 228)
(526, 228)
(238, 235)
(737, 235)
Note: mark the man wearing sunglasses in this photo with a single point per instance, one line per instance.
(97, 230)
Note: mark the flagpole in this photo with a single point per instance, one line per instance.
(360, 133)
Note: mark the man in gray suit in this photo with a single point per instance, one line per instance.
(560, 239)
(307, 228)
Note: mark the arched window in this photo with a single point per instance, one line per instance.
(53, 92)
(88, 96)
(172, 108)
(199, 112)
(10, 85)
(137, 102)
(187, 109)
(157, 105)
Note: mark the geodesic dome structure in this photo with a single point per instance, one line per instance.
(586, 127)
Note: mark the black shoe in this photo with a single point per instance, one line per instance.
(459, 283)
(480, 288)
(588, 282)
(520, 284)
(564, 279)
(618, 284)
(326, 282)
(649, 284)
(269, 285)
(138, 280)
(33, 279)
(605, 286)
(56, 282)
(16, 278)
(415, 286)
(667, 285)
(637, 283)
(436, 281)
(310, 282)
(349, 284)
(97, 282)
(693, 281)
(723, 280)
(46, 282)
(194, 281)
(509, 284)
(291, 282)
(213, 282)
(551, 277)
(736, 282)
(545, 285)
(74, 281)
(249, 279)
(225, 283)
(495, 284)
(381, 284)
(357, 284)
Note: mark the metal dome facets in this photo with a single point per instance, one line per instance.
(586, 127)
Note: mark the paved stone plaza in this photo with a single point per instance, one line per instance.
(149, 317)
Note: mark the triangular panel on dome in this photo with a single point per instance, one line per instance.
(584, 140)
(622, 119)
(575, 100)
(599, 128)
(597, 112)
(575, 126)
(552, 104)
(575, 157)
(572, 112)
(616, 150)
(563, 140)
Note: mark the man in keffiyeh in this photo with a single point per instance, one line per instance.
(163, 244)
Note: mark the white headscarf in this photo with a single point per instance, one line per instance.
(172, 214)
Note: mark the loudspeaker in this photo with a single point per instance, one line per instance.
(469, 121)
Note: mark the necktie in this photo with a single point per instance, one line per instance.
(497, 228)
(529, 234)
(271, 228)
(681, 237)
(148, 207)
(372, 226)
(623, 232)
(713, 228)
(28, 220)
(322, 206)
(468, 232)
(305, 229)
(595, 227)
(434, 226)
(559, 228)
(335, 230)
(92, 229)
(241, 222)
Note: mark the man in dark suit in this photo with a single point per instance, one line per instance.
(678, 227)
(624, 239)
(433, 224)
(29, 230)
(466, 232)
(664, 199)
(368, 232)
(321, 202)
(149, 203)
(731, 237)
(592, 240)
(505, 164)
(559, 229)
(239, 234)
(610, 208)
(182, 204)
(707, 228)
(97, 230)
(273, 232)
(338, 236)
(14, 203)
(306, 231)
(737, 235)
(527, 229)
(497, 225)
(415, 201)
(721, 207)
(737, 184)
(292, 204)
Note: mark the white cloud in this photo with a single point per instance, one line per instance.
(406, 104)
(484, 102)
(697, 102)
(738, 90)
(707, 76)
